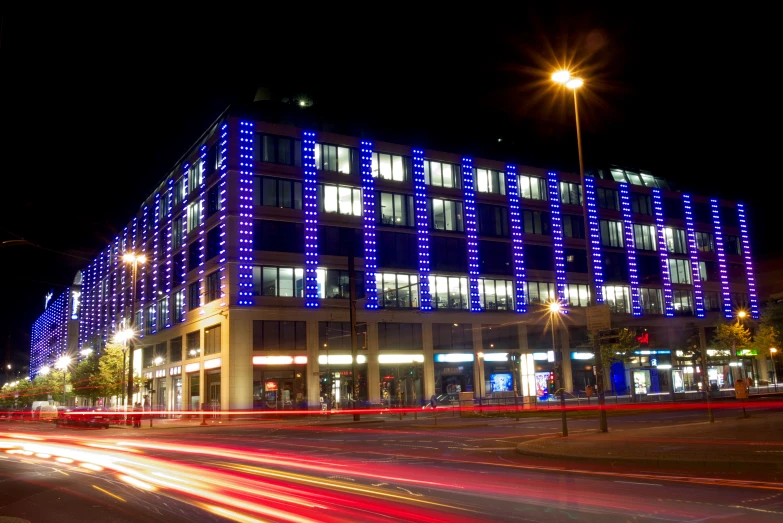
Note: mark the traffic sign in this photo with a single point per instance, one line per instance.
(598, 318)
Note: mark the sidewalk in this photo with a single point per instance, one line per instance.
(735, 444)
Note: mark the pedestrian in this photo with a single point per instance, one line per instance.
(137, 417)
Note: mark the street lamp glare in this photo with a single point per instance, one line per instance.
(132, 258)
(554, 307)
(773, 350)
(158, 360)
(86, 352)
(561, 77)
(575, 83)
(742, 314)
(63, 362)
(44, 371)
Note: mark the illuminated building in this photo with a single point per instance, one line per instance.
(244, 301)
(56, 332)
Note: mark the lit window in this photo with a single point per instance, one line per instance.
(398, 291)
(439, 174)
(612, 234)
(675, 240)
(278, 281)
(680, 271)
(449, 292)
(194, 215)
(340, 199)
(683, 302)
(645, 237)
(333, 158)
(532, 188)
(496, 295)
(540, 292)
(651, 300)
(490, 181)
(445, 215)
(389, 167)
(396, 210)
(570, 193)
(618, 298)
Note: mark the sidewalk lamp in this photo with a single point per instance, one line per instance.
(63, 364)
(43, 371)
(157, 361)
(134, 260)
(772, 352)
(554, 309)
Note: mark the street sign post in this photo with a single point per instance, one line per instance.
(598, 318)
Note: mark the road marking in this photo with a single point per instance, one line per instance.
(639, 483)
(756, 509)
(109, 493)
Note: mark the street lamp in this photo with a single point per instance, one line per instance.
(157, 361)
(43, 371)
(772, 351)
(554, 309)
(131, 258)
(63, 364)
(564, 77)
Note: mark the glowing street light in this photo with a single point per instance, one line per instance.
(63, 364)
(86, 352)
(561, 77)
(44, 371)
(556, 308)
(741, 315)
(134, 260)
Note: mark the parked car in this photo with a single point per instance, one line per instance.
(84, 417)
(22, 414)
(46, 413)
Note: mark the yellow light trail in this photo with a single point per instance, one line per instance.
(108, 493)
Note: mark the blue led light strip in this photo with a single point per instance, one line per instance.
(85, 298)
(245, 233)
(517, 246)
(184, 226)
(223, 192)
(594, 238)
(694, 256)
(752, 296)
(471, 232)
(169, 246)
(310, 190)
(142, 274)
(369, 216)
(422, 230)
(156, 247)
(123, 280)
(557, 240)
(630, 249)
(663, 252)
(719, 248)
(202, 172)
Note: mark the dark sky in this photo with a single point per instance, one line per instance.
(94, 113)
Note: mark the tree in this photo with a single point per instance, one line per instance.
(772, 316)
(108, 380)
(766, 337)
(85, 378)
(617, 347)
(731, 336)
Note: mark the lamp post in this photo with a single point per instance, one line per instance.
(554, 310)
(123, 336)
(134, 260)
(63, 364)
(157, 361)
(565, 78)
(772, 351)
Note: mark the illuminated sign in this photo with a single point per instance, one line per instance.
(581, 355)
(401, 358)
(47, 300)
(648, 352)
(212, 364)
(496, 356)
(279, 360)
(175, 371)
(340, 359)
(454, 358)
(540, 356)
(644, 339)
(747, 352)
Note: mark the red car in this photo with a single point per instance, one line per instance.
(84, 417)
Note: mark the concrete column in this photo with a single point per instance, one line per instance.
(236, 389)
(313, 378)
(478, 363)
(373, 368)
(568, 378)
(522, 331)
(429, 360)
(763, 369)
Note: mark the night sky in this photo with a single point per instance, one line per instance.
(96, 111)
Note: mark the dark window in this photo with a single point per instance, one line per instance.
(712, 301)
(683, 302)
(705, 242)
(395, 210)
(649, 269)
(536, 222)
(732, 244)
(739, 300)
(573, 226)
(177, 278)
(651, 300)
(213, 159)
(708, 271)
(147, 355)
(495, 257)
(729, 217)
(277, 192)
(612, 233)
(337, 284)
(160, 352)
(212, 339)
(212, 282)
(176, 349)
(673, 209)
(702, 212)
(399, 336)
(492, 220)
(397, 250)
(269, 235)
(615, 267)
(213, 242)
(213, 200)
(193, 346)
(641, 203)
(449, 336)
(539, 258)
(194, 255)
(576, 260)
(608, 199)
(279, 335)
(337, 241)
(448, 254)
(277, 149)
(736, 273)
(336, 335)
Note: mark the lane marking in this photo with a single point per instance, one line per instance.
(108, 493)
(638, 483)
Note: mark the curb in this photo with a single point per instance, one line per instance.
(664, 463)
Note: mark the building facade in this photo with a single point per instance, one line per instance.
(56, 332)
(243, 301)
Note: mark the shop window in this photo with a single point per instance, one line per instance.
(398, 291)
(399, 336)
(390, 167)
(451, 336)
(440, 174)
(496, 295)
(449, 292)
(279, 335)
(532, 187)
(396, 210)
(212, 339)
(489, 181)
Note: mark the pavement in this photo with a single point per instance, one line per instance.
(730, 444)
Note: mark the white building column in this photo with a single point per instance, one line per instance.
(568, 378)
(313, 368)
(373, 367)
(237, 361)
(527, 367)
(429, 360)
(478, 362)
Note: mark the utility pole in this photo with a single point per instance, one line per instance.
(354, 336)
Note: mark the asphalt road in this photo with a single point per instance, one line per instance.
(384, 470)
